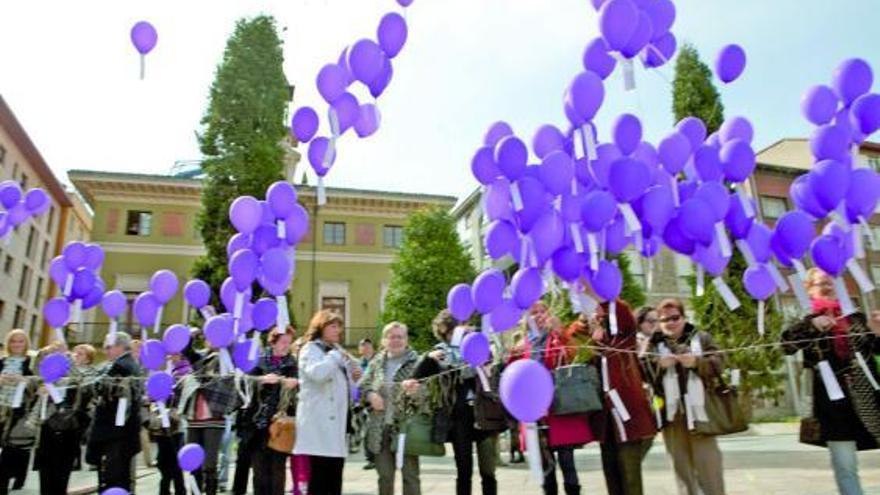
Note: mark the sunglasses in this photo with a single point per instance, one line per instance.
(670, 319)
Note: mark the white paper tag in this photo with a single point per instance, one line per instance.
(18, 395)
(606, 380)
(649, 273)
(163, 414)
(761, 318)
(869, 232)
(533, 453)
(867, 371)
(588, 304)
(533, 326)
(401, 450)
(516, 197)
(858, 245)
(486, 323)
(726, 294)
(121, 410)
(192, 483)
(281, 229)
(859, 275)
(723, 240)
(457, 336)
(207, 312)
(612, 317)
(158, 323)
(673, 184)
(619, 406)
(255, 346)
(747, 206)
(629, 75)
(592, 154)
(846, 305)
(44, 404)
(76, 315)
(689, 412)
(68, 284)
(701, 281)
(239, 305)
(746, 251)
(696, 346)
(59, 336)
(576, 237)
(830, 381)
(797, 286)
(226, 365)
(283, 317)
(594, 251)
(735, 377)
(632, 221)
(579, 141)
(781, 284)
(618, 420)
(484, 380)
(800, 269)
(837, 218)
(322, 192)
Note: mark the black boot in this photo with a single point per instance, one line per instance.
(211, 483)
(572, 489)
(490, 486)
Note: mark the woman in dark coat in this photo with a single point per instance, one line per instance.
(851, 421)
(16, 437)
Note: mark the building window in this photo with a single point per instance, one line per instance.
(7, 266)
(18, 321)
(773, 207)
(2, 156)
(44, 258)
(684, 270)
(33, 324)
(334, 233)
(24, 181)
(138, 223)
(2, 307)
(38, 294)
(874, 162)
(50, 218)
(392, 236)
(335, 304)
(25, 283)
(31, 243)
(875, 273)
(636, 267)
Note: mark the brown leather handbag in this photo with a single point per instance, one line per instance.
(282, 429)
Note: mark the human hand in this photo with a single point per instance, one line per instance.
(376, 402)
(874, 322)
(410, 386)
(823, 323)
(270, 379)
(687, 360)
(668, 361)
(437, 355)
(289, 383)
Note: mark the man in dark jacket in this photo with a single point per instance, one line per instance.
(115, 431)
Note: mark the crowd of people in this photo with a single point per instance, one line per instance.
(620, 379)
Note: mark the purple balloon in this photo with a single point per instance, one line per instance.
(56, 312)
(801, 193)
(380, 83)
(627, 132)
(829, 182)
(660, 51)
(83, 281)
(697, 221)
(736, 128)
(160, 386)
(246, 213)
(657, 206)
(716, 196)
(365, 59)
(758, 282)
(488, 290)
(662, 13)
(819, 104)
(707, 163)
(53, 367)
(586, 93)
(176, 338)
(852, 78)
(392, 33)
(304, 124)
(483, 166)
(347, 111)
(146, 307)
(511, 156)
(710, 258)
(368, 120)
(862, 194)
(596, 58)
(243, 268)
(275, 265)
(547, 235)
(597, 210)
(556, 172)
(567, 264)
(502, 239)
(497, 200)
(496, 133)
(675, 238)
(506, 316)
(237, 242)
(759, 242)
(674, 150)
(281, 197)
(475, 349)
(190, 457)
(460, 302)
(830, 142)
(115, 491)
(10, 194)
(642, 35)
(58, 271)
(241, 356)
(865, 114)
(296, 225)
(618, 21)
(607, 281)
(628, 179)
(828, 254)
(219, 331)
(738, 160)
(94, 257)
(273, 288)
(527, 287)
(152, 354)
(144, 37)
(114, 304)
(526, 389)
(265, 314)
(404, 3)
(795, 230)
(547, 139)
(730, 63)
(694, 129)
(36, 201)
(75, 255)
(606, 154)
(197, 293)
(164, 285)
(332, 81)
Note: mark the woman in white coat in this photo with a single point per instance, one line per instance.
(325, 371)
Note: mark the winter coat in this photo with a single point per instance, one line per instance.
(322, 411)
(218, 391)
(13, 430)
(108, 393)
(268, 396)
(856, 416)
(373, 382)
(625, 377)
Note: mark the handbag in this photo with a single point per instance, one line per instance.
(489, 412)
(282, 428)
(570, 430)
(576, 389)
(419, 441)
(723, 410)
(810, 432)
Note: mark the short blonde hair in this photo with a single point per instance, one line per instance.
(391, 326)
(88, 350)
(15, 333)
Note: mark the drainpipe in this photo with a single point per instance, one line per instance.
(314, 255)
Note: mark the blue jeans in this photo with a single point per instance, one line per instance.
(225, 443)
(846, 467)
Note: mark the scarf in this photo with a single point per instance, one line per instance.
(840, 342)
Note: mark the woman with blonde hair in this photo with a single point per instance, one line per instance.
(16, 449)
(326, 374)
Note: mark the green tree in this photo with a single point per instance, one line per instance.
(431, 261)
(632, 291)
(243, 128)
(695, 95)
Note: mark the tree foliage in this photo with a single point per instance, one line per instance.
(693, 93)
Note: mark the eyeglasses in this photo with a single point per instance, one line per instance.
(651, 320)
(670, 319)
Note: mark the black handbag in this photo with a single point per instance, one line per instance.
(489, 412)
(576, 390)
(723, 410)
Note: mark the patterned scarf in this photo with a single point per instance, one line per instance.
(840, 342)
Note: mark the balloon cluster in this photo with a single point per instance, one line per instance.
(20, 206)
(144, 38)
(367, 62)
(76, 271)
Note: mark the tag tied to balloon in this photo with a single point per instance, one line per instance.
(143, 37)
(476, 351)
(526, 390)
(190, 458)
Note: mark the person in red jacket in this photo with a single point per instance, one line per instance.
(625, 427)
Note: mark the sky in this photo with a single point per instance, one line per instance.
(70, 74)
